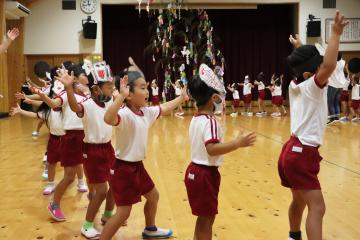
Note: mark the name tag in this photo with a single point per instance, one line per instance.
(112, 171)
(297, 149)
(84, 155)
(191, 176)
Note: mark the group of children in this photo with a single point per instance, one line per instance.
(83, 115)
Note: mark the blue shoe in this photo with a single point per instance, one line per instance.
(159, 233)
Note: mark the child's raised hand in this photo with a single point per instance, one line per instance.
(245, 139)
(13, 33)
(124, 88)
(20, 96)
(15, 110)
(65, 78)
(339, 24)
(296, 42)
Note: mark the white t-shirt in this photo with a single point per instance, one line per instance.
(337, 78)
(204, 129)
(177, 91)
(70, 120)
(261, 86)
(247, 89)
(155, 91)
(355, 92)
(235, 95)
(277, 91)
(95, 128)
(46, 90)
(346, 85)
(54, 122)
(132, 131)
(308, 110)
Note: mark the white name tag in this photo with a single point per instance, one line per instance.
(191, 176)
(112, 171)
(297, 149)
(84, 155)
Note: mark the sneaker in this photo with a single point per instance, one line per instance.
(243, 113)
(344, 119)
(180, 113)
(234, 114)
(276, 114)
(355, 119)
(35, 134)
(90, 233)
(56, 213)
(82, 187)
(264, 113)
(159, 233)
(49, 189)
(250, 114)
(330, 121)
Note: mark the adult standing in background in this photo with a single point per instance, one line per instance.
(11, 36)
(336, 83)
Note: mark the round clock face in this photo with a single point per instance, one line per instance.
(88, 6)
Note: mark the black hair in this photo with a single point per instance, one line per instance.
(181, 84)
(199, 91)
(68, 65)
(117, 78)
(304, 59)
(260, 77)
(132, 77)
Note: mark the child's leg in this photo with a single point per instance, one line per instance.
(344, 107)
(277, 109)
(114, 223)
(296, 210)
(109, 207)
(203, 228)
(81, 183)
(80, 172)
(39, 125)
(95, 203)
(51, 172)
(284, 109)
(150, 207)
(233, 108)
(180, 108)
(316, 210)
(352, 112)
(260, 105)
(69, 176)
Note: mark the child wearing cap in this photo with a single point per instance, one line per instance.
(98, 153)
(299, 161)
(202, 178)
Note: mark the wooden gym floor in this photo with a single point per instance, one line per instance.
(252, 204)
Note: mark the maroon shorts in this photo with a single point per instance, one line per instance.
(299, 165)
(355, 104)
(344, 97)
(54, 149)
(202, 186)
(247, 98)
(277, 100)
(98, 160)
(236, 102)
(129, 182)
(155, 100)
(261, 94)
(72, 148)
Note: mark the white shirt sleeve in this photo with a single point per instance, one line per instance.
(123, 116)
(211, 132)
(152, 113)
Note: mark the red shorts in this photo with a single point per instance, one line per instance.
(236, 102)
(155, 100)
(299, 165)
(355, 104)
(261, 94)
(344, 97)
(98, 160)
(247, 98)
(72, 148)
(277, 100)
(202, 186)
(129, 182)
(54, 149)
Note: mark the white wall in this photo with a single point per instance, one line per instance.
(350, 8)
(51, 30)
